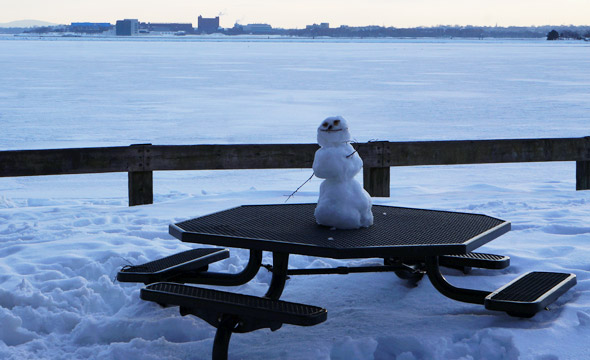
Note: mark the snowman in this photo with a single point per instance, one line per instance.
(343, 203)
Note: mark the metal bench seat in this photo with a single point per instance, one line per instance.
(231, 312)
(169, 267)
(530, 293)
(465, 262)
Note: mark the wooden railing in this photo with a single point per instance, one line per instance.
(139, 161)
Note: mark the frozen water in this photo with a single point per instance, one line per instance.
(170, 92)
(63, 238)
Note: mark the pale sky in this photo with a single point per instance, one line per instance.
(298, 13)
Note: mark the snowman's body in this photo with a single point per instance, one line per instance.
(343, 203)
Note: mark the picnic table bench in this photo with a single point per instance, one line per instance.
(410, 242)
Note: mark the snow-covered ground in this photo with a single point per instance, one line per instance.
(63, 238)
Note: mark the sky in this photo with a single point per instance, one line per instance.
(298, 14)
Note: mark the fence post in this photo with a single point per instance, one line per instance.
(376, 181)
(582, 175)
(376, 176)
(141, 183)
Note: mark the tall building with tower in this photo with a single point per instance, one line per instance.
(208, 25)
(127, 27)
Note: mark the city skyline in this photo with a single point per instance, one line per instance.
(396, 13)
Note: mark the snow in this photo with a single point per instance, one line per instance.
(63, 238)
(342, 203)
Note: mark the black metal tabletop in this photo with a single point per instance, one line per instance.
(291, 228)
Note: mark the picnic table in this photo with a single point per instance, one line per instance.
(410, 242)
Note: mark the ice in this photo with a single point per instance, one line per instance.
(63, 238)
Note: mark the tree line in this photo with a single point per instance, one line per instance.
(567, 35)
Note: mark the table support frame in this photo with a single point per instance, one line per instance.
(226, 327)
(226, 279)
(280, 263)
(444, 287)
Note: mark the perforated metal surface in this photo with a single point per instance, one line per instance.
(479, 260)
(530, 287)
(233, 303)
(480, 256)
(173, 261)
(168, 266)
(292, 228)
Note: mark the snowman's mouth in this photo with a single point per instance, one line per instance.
(332, 130)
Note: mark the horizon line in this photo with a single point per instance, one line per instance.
(49, 23)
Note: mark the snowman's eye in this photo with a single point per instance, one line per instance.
(336, 122)
(325, 124)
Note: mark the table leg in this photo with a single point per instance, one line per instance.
(448, 290)
(280, 262)
(223, 335)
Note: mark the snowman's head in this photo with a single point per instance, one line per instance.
(333, 131)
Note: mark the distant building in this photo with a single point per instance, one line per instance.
(257, 29)
(208, 25)
(164, 28)
(316, 26)
(89, 28)
(127, 27)
(370, 28)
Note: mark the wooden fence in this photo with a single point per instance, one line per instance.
(139, 161)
